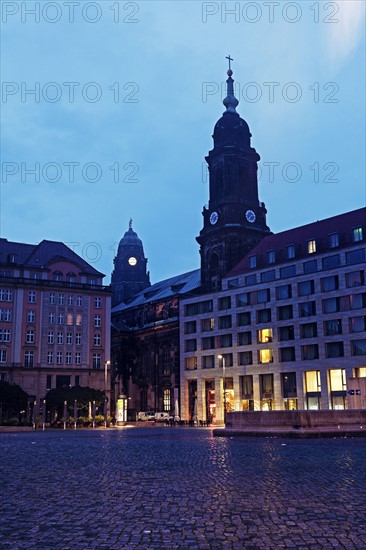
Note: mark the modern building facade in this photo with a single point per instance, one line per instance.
(54, 319)
(288, 329)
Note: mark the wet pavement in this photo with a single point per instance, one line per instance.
(178, 488)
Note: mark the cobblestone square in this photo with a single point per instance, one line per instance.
(178, 488)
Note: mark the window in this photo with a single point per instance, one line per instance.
(30, 337)
(79, 301)
(225, 321)
(69, 300)
(190, 363)
(97, 360)
(265, 356)
(31, 316)
(208, 362)
(287, 354)
(191, 345)
(3, 354)
(357, 234)
(69, 319)
(355, 256)
(333, 327)
(286, 333)
(263, 296)
(61, 299)
(309, 352)
(331, 262)
(271, 257)
(252, 261)
(311, 246)
(49, 357)
(78, 319)
(50, 338)
(243, 299)
(243, 319)
(97, 339)
(268, 276)
(49, 382)
(334, 240)
(98, 321)
(265, 335)
(330, 305)
(68, 358)
(208, 342)
(31, 297)
(207, 324)
(264, 315)
(245, 358)
(228, 358)
(29, 359)
(289, 388)
(63, 381)
(244, 338)
(329, 283)
(311, 266)
(250, 280)
(69, 338)
(290, 251)
(78, 358)
(51, 318)
(57, 276)
(233, 283)
(6, 295)
(355, 278)
(78, 338)
(305, 288)
(5, 335)
(52, 298)
(358, 347)
(5, 314)
(288, 271)
(307, 308)
(224, 303)
(283, 292)
(312, 381)
(309, 330)
(189, 327)
(284, 313)
(357, 324)
(60, 319)
(97, 302)
(225, 341)
(60, 338)
(357, 301)
(198, 308)
(334, 349)
(166, 400)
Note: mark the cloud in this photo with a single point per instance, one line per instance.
(344, 36)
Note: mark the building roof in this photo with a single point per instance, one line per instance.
(39, 256)
(175, 286)
(299, 237)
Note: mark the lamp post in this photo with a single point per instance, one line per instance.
(105, 391)
(224, 384)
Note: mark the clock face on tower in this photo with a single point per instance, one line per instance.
(132, 261)
(250, 216)
(213, 218)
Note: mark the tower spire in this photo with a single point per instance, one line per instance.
(230, 100)
(130, 224)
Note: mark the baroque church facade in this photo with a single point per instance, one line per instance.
(179, 345)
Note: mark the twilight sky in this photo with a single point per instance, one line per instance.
(108, 110)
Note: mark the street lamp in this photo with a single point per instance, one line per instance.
(105, 391)
(224, 381)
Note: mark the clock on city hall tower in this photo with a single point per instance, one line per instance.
(235, 219)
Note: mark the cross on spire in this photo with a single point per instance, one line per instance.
(229, 59)
(130, 223)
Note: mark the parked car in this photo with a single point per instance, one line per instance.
(143, 416)
(162, 417)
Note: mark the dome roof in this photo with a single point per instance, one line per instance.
(231, 130)
(130, 242)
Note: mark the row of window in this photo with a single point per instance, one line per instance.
(332, 327)
(59, 358)
(6, 295)
(286, 354)
(30, 338)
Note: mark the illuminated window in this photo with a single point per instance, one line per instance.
(166, 400)
(265, 335)
(311, 246)
(265, 356)
(337, 379)
(190, 363)
(69, 319)
(357, 234)
(312, 381)
(78, 319)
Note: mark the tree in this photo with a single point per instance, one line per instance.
(12, 398)
(83, 395)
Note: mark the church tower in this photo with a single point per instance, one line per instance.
(129, 276)
(235, 219)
